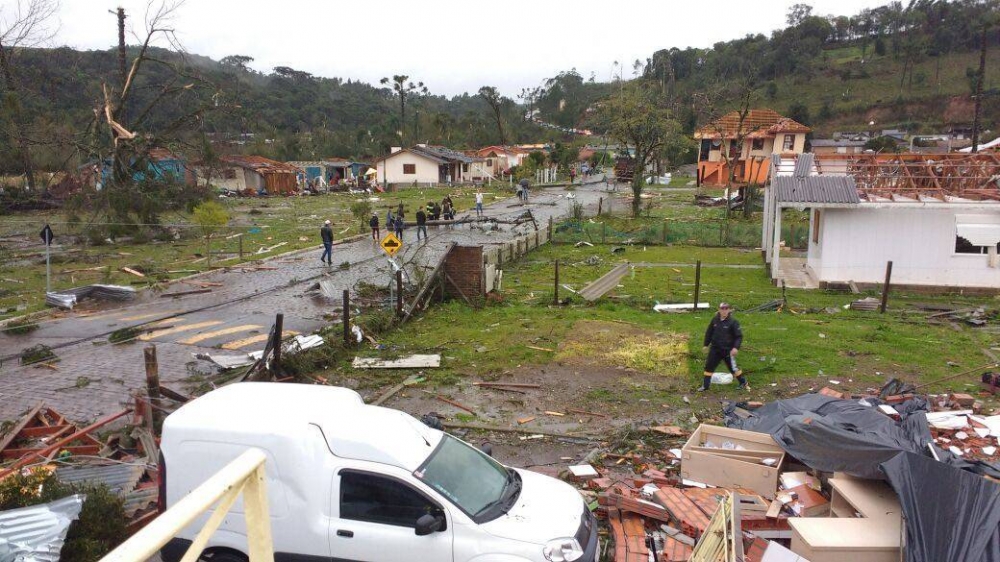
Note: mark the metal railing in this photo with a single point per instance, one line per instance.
(244, 475)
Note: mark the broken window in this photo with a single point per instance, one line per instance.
(409, 168)
(376, 499)
(788, 144)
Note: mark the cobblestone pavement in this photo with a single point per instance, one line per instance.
(93, 378)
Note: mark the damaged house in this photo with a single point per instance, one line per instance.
(764, 133)
(427, 165)
(935, 217)
(252, 175)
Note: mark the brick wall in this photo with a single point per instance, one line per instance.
(464, 273)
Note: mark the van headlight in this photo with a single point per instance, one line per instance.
(562, 550)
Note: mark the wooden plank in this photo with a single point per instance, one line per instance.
(9, 437)
(11, 454)
(598, 288)
(131, 271)
(185, 293)
(411, 362)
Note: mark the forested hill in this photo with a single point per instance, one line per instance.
(909, 66)
(305, 115)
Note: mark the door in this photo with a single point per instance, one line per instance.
(376, 521)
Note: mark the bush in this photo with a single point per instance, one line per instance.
(361, 210)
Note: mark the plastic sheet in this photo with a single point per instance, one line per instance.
(36, 533)
(951, 514)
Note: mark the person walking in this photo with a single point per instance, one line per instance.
(373, 223)
(572, 175)
(421, 224)
(524, 190)
(479, 202)
(326, 233)
(723, 339)
(398, 225)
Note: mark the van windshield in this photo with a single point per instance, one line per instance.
(481, 487)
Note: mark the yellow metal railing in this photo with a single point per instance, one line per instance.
(245, 475)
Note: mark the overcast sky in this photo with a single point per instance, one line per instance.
(454, 46)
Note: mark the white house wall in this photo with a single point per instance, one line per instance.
(855, 244)
(390, 170)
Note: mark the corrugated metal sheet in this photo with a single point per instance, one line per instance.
(600, 287)
(36, 534)
(119, 478)
(816, 189)
(804, 165)
(140, 499)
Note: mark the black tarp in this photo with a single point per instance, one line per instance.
(835, 435)
(950, 514)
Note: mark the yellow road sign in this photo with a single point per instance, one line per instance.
(390, 244)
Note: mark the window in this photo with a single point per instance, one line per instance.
(976, 234)
(376, 499)
(706, 147)
(734, 149)
(489, 162)
(815, 226)
(758, 144)
(465, 168)
(788, 144)
(409, 169)
(229, 174)
(467, 477)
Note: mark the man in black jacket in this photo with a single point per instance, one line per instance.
(723, 339)
(326, 234)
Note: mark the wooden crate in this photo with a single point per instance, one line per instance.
(705, 459)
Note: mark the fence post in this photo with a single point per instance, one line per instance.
(399, 292)
(241, 247)
(279, 321)
(551, 239)
(600, 205)
(347, 317)
(697, 284)
(152, 386)
(555, 292)
(885, 287)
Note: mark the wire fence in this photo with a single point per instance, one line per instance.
(708, 233)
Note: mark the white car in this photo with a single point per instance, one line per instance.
(352, 482)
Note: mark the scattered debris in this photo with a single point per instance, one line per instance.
(69, 298)
(680, 307)
(37, 533)
(606, 283)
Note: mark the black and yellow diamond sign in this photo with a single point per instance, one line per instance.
(390, 244)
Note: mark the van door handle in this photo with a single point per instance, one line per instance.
(345, 533)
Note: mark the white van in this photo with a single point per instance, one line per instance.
(347, 481)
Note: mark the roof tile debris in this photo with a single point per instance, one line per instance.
(757, 123)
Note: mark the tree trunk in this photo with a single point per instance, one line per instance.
(979, 92)
(122, 72)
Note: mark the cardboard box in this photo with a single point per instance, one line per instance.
(733, 458)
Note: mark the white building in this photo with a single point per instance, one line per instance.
(426, 165)
(942, 236)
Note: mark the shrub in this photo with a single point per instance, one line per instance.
(37, 354)
(20, 327)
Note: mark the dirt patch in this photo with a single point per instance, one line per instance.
(619, 344)
(594, 400)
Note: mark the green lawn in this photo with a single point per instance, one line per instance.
(813, 341)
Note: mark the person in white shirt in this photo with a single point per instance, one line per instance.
(479, 202)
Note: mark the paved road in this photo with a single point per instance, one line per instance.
(235, 316)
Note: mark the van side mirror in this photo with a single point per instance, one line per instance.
(428, 524)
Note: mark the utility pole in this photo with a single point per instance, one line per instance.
(979, 91)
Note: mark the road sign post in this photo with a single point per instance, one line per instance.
(47, 237)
